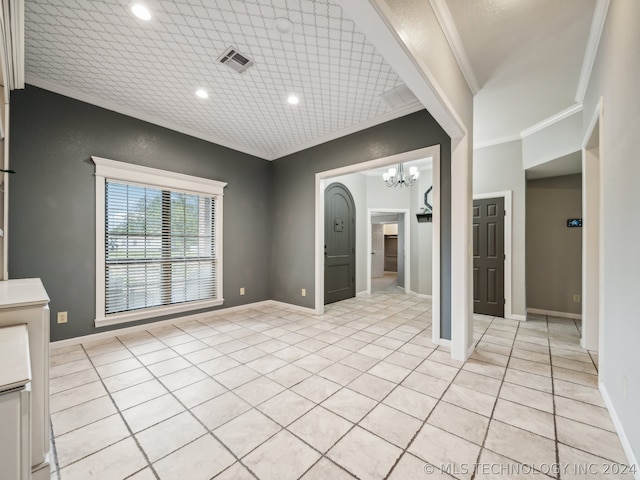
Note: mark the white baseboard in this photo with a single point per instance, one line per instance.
(626, 445)
(513, 316)
(420, 295)
(551, 313)
(172, 321)
(364, 293)
(290, 306)
(443, 342)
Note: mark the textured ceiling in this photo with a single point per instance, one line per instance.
(99, 50)
(526, 56)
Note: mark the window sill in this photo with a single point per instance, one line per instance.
(126, 317)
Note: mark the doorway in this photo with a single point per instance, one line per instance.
(324, 178)
(592, 235)
(340, 244)
(387, 253)
(390, 232)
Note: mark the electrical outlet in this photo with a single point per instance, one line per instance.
(62, 317)
(576, 298)
(304, 292)
(241, 290)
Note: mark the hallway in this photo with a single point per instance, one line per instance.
(387, 284)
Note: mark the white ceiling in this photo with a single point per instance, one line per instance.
(524, 60)
(99, 52)
(526, 57)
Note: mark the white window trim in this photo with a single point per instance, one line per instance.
(114, 170)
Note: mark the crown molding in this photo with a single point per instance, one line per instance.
(415, 107)
(130, 112)
(12, 57)
(496, 141)
(547, 122)
(92, 99)
(597, 25)
(455, 42)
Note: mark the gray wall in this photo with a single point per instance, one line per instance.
(615, 79)
(52, 198)
(497, 169)
(269, 208)
(292, 248)
(554, 251)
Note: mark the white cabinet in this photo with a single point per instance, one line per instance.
(15, 408)
(25, 302)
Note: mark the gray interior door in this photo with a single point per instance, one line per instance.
(340, 244)
(488, 256)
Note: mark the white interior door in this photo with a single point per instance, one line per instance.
(377, 250)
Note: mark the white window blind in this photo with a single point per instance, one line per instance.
(159, 242)
(160, 247)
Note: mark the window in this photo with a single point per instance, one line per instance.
(158, 242)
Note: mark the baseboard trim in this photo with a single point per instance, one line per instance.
(519, 318)
(626, 445)
(364, 293)
(443, 342)
(551, 313)
(172, 321)
(420, 295)
(291, 306)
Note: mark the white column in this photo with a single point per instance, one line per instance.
(461, 250)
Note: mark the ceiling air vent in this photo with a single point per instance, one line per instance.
(399, 97)
(235, 60)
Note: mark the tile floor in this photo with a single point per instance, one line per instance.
(387, 284)
(360, 392)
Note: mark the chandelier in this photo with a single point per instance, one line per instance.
(395, 178)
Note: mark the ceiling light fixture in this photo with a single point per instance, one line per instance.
(140, 11)
(395, 178)
(202, 93)
(282, 25)
(293, 99)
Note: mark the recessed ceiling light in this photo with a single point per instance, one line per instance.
(282, 25)
(202, 93)
(293, 99)
(140, 11)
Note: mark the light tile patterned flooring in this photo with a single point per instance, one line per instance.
(387, 284)
(361, 391)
